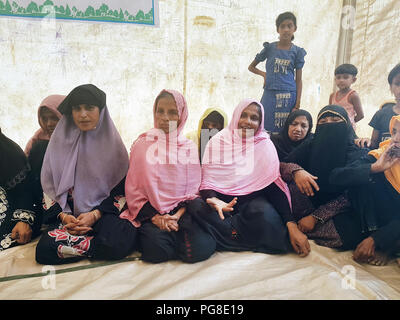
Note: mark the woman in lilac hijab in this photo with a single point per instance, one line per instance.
(83, 179)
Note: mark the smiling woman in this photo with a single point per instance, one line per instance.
(249, 121)
(249, 203)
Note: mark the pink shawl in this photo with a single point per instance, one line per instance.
(51, 102)
(238, 166)
(164, 169)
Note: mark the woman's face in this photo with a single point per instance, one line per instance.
(395, 88)
(330, 119)
(298, 128)
(208, 124)
(48, 120)
(166, 114)
(86, 116)
(249, 121)
(395, 138)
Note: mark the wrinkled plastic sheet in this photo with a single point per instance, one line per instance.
(324, 274)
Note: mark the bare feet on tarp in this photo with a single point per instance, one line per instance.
(366, 253)
(379, 259)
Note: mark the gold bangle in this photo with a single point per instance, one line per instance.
(63, 217)
(96, 217)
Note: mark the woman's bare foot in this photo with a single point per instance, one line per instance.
(365, 251)
(398, 262)
(379, 259)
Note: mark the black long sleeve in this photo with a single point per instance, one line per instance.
(280, 202)
(356, 173)
(51, 210)
(208, 193)
(21, 197)
(272, 192)
(147, 212)
(387, 236)
(115, 203)
(300, 154)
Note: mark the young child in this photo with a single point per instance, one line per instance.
(381, 119)
(283, 75)
(345, 76)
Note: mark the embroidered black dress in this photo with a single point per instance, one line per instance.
(375, 200)
(16, 199)
(112, 238)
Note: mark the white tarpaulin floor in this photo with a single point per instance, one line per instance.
(324, 274)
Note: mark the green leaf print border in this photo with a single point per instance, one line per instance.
(49, 10)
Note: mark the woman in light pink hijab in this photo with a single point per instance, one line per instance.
(48, 117)
(249, 203)
(162, 182)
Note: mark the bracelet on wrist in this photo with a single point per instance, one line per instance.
(96, 215)
(61, 216)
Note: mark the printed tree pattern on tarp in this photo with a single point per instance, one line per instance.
(49, 9)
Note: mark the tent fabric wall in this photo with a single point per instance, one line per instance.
(207, 57)
(375, 51)
(203, 47)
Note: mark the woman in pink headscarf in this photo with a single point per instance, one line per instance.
(48, 117)
(162, 182)
(249, 203)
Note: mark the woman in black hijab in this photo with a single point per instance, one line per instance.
(316, 202)
(18, 221)
(295, 131)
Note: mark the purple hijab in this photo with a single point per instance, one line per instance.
(92, 163)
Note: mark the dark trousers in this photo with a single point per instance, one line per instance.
(112, 238)
(378, 205)
(254, 225)
(190, 243)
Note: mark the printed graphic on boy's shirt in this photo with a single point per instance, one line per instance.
(281, 65)
(283, 100)
(280, 118)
